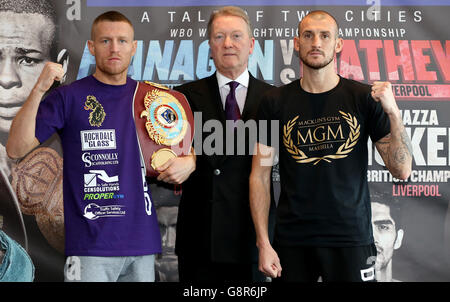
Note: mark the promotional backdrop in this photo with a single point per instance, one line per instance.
(404, 42)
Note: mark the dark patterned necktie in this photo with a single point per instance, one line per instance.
(231, 107)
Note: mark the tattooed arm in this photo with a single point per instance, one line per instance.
(395, 148)
(396, 152)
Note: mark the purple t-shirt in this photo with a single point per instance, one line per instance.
(108, 209)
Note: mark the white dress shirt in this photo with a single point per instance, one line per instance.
(241, 90)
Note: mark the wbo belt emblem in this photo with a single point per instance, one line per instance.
(166, 118)
(164, 124)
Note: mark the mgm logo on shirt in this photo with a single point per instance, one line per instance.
(304, 137)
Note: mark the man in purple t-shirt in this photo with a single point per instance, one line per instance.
(111, 230)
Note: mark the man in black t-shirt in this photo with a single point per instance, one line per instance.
(323, 223)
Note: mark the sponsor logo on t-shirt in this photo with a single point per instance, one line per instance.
(98, 196)
(147, 198)
(97, 115)
(315, 140)
(99, 159)
(98, 139)
(93, 211)
(99, 181)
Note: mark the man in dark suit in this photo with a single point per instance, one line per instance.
(215, 236)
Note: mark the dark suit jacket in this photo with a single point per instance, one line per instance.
(214, 220)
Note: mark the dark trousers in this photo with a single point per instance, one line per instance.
(194, 270)
(333, 264)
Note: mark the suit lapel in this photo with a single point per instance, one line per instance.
(250, 105)
(214, 107)
(251, 100)
(207, 100)
(215, 100)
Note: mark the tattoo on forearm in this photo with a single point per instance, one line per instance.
(406, 142)
(383, 146)
(400, 155)
(395, 155)
(385, 140)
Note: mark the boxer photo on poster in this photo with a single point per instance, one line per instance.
(388, 233)
(28, 39)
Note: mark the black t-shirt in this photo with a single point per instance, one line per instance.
(322, 149)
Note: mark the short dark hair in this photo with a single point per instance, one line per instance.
(112, 16)
(39, 7)
(392, 203)
(319, 13)
(42, 7)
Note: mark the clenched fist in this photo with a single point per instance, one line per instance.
(382, 92)
(50, 73)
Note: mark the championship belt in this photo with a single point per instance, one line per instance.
(164, 123)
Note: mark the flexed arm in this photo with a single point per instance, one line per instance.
(395, 148)
(22, 137)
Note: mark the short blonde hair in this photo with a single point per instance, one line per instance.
(112, 16)
(230, 11)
